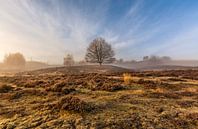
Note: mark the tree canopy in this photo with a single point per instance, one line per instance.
(15, 60)
(99, 51)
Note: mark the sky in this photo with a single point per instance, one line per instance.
(46, 30)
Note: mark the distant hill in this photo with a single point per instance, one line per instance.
(192, 63)
(82, 69)
(30, 65)
(169, 65)
(33, 65)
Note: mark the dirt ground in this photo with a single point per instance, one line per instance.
(137, 100)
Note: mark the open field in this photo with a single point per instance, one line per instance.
(98, 98)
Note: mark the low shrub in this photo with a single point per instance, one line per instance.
(60, 88)
(74, 104)
(166, 95)
(31, 83)
(176, 79)
(28, 92)
(16, 95)
(57, 87)
(68, 90)
(109, 87)
(5, 88)
(147, 83)
(193, 116)
(188, 94)
(186, 103)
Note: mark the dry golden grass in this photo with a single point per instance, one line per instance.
(131, 101)
(127, 78)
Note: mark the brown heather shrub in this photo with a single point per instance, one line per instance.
(176, 79)
(147, 83)
(74, 104)
(57, 87)
(108, 87)
(16, 95)
(28, 92)
(5, 88)
(106, 84)
(66, 90)
(60, 88)
(193, 116)
(32, 84)
(165, 95)
(187, 93)
(186, 103)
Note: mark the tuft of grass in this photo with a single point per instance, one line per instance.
(127, 78)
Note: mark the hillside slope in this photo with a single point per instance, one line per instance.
(82, 69)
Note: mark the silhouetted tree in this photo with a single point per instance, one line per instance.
(68, 60)
(15, 60)
(154, 58)
(120, 60)
(166, 58)
(99, 51)
(145, 58)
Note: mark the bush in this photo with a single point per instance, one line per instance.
(68, 90)
(74, 104)
(57, 87)
(109, 87)
(5, 88)
(33, 84)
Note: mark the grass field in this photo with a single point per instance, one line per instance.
(96, 100)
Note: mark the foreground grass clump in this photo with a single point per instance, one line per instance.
(71, 103)
(127, 78)
(5, 88)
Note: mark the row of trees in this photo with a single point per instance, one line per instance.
(98, 51)
(14, 60)
(156, 58)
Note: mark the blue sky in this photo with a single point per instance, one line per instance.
(45, 30)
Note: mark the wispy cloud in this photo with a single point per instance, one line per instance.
(47, 32)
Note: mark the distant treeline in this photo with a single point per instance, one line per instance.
(17, 61)
(151, 59)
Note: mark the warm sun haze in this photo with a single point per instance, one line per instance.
(45, 30)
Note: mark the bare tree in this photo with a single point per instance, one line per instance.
(99, 51)
(68, 60)
(15, 60)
